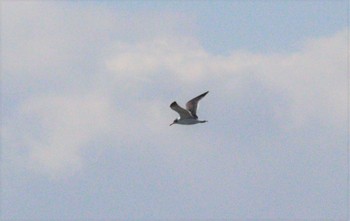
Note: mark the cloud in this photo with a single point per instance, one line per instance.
(65, 124)
(75, 78)
(310, 77)
(307, 79)
(86, 92)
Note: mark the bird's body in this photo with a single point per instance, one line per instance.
(189, 121)
(188, 116)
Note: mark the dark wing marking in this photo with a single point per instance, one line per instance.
(181, 111)
(192, 105)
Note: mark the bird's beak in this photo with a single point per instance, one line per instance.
(171, 124)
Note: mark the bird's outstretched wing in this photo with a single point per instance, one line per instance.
(192, 105)
(182, 112)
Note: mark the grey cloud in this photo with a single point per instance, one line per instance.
(91, 104)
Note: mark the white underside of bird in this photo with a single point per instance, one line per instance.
(188, 121)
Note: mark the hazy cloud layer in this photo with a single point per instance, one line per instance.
(78, 84)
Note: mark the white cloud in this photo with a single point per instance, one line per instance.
(182, 58)
(125, 97)
(66, 124)
(86, 94)
(312, 79)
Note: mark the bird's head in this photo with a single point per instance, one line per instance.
(175, 122)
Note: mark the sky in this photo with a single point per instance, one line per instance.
(85, 94)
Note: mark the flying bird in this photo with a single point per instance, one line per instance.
(189, 115)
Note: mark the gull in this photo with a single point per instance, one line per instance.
(189, 115)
